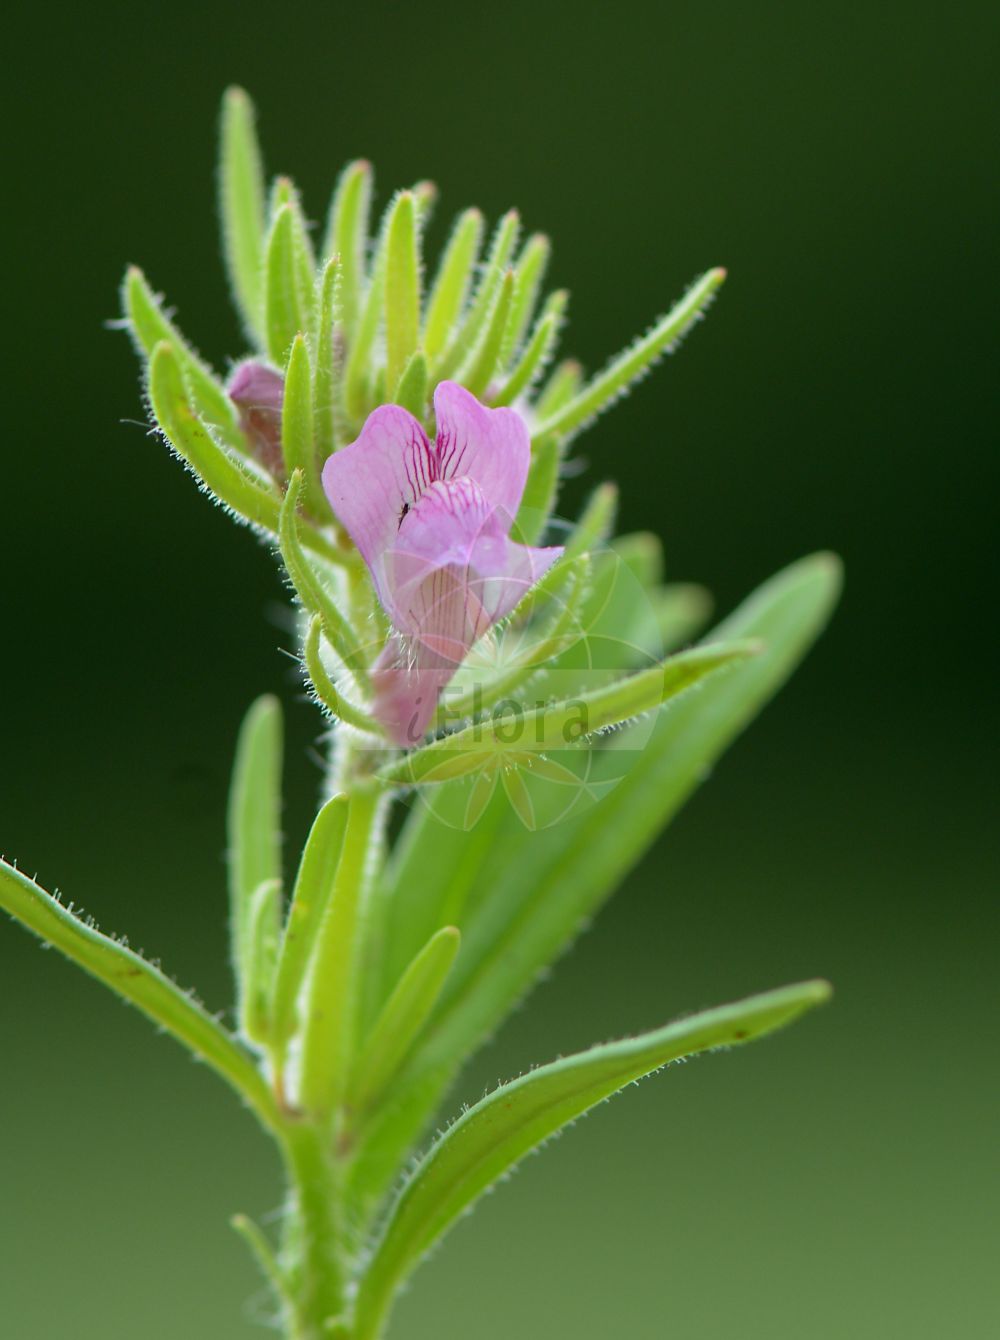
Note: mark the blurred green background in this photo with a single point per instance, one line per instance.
(831, 1183)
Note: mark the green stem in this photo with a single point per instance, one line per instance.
(314, 1239)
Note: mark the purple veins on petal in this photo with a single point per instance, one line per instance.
(432, 521)
(258, 392)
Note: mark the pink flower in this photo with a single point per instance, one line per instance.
(257, 392)
(432, 521)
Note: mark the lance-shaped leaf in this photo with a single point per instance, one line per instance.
(289, 295)
(596, 521)
(530, 270)
(222, 476)
(540, 491)
(681, 610)
(241, 206)
(494, 1135)
(563, 874)
(414, 386)
(559, 390)
(402, 1018)
(267, 1262)
(254, 831)
(467, 335)
(332, 996)
(298, 442)
(310, 588)
(402, 289)
(615, 380)
(327, 382)
(149, 326)
(312, 891)
(260, 956)
(360, 354)
(347, 238)
(642, 552)
(537, 353)
(140, 983)
(565, 724)
(478, 372)
(454, 278)
(517, 916)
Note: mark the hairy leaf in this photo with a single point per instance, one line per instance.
(140, 983)
(241, 206)
(254, 832)
(494, 1135)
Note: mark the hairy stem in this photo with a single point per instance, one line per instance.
(313, 1249)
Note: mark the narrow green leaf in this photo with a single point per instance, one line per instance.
(537, 353)
(241, 206)
(642, 553)
(282, 193)
(263, 922)
(139, 983)
(402, 1018)
(358, 398)
(559, 390)
(313, 890)
(412, 390)
(298, 443)
(530, 271)
(573, 866)
(263, 1255)
(478, 371)
(221, 475)
(494, 1135)
(347, 238)
(568, 723)
(327, 383)
(540, 491)
(327, 693)
(149, 327)
(451, 286)
(425, 195)
(254, 832)
(311, 590)
(467, 335)
(522, 913)
(332, 997)
(289, 283)
(681, 610)
(596, 521)
(402, 289)
(615, 380)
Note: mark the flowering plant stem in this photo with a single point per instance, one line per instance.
(534, 688)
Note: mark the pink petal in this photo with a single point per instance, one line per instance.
(453, 571)
(374, 482)
(258, 392)
(253, 385)
(408, 681)
(491, 446)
